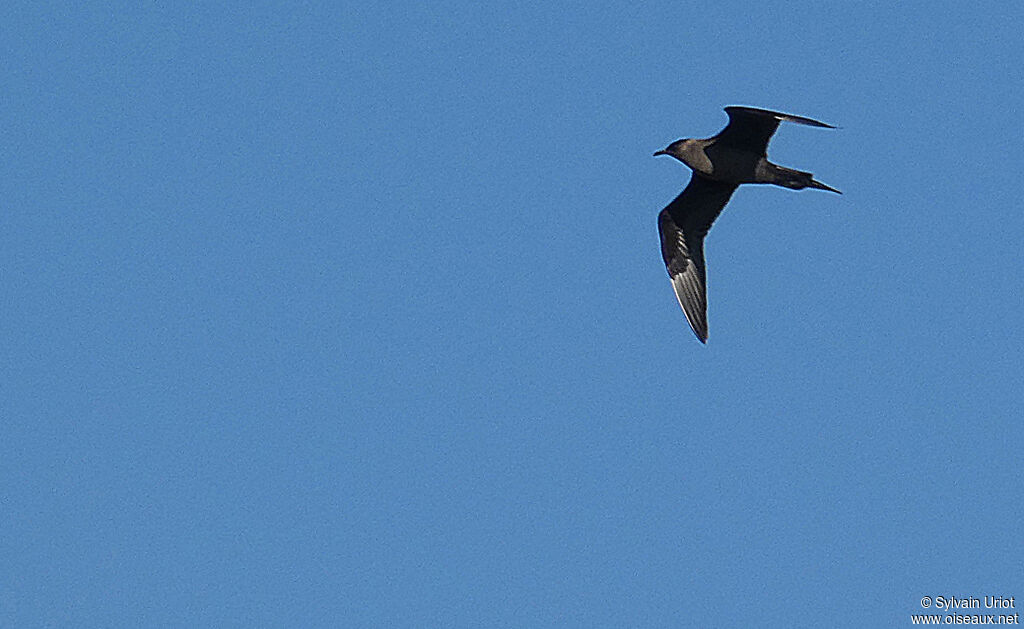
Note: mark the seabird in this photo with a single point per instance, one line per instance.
(735, 156)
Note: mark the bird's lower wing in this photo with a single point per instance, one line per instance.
(682, 226)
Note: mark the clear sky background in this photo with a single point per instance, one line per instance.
(354, 315)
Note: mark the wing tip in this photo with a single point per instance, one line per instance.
(702, 335)
(692, 310)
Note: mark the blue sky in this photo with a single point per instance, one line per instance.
(355, 316)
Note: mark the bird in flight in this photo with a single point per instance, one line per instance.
(735, 156)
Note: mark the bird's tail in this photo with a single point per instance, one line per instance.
(820, 186)
(798, 179)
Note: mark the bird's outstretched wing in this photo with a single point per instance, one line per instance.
(683, 225)
(750, 128)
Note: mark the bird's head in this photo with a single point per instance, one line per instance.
(676, 149)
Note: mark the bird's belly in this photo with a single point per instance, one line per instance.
(732, 166)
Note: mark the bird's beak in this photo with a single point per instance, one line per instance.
(661, 152)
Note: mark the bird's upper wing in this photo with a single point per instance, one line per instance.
(751, 128)
(683, 225)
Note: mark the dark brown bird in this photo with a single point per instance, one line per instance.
(735, 156)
